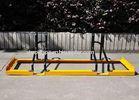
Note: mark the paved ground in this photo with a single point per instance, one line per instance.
(68, 88)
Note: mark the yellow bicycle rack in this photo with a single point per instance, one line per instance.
(129, 70)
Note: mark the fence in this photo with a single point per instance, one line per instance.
(114, 42)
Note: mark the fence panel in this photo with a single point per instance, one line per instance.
(69, 41)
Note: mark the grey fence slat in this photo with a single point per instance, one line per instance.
(1, 41)
(69, 41)
(136, 43)
(121, 44)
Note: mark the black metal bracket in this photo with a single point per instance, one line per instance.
(37, 42)
(45, 59)
(102, 51)
(35, 56)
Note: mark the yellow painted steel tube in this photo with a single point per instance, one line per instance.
(127, 64)
(68, 73)
(67, 61)
(19, 72)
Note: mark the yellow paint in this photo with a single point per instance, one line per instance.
(122, 73)
(66, 61)
(70, 73)
(127, 64)
(19, 72)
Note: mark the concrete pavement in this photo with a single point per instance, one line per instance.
(68, 87)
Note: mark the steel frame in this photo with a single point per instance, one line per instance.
(130, 69)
